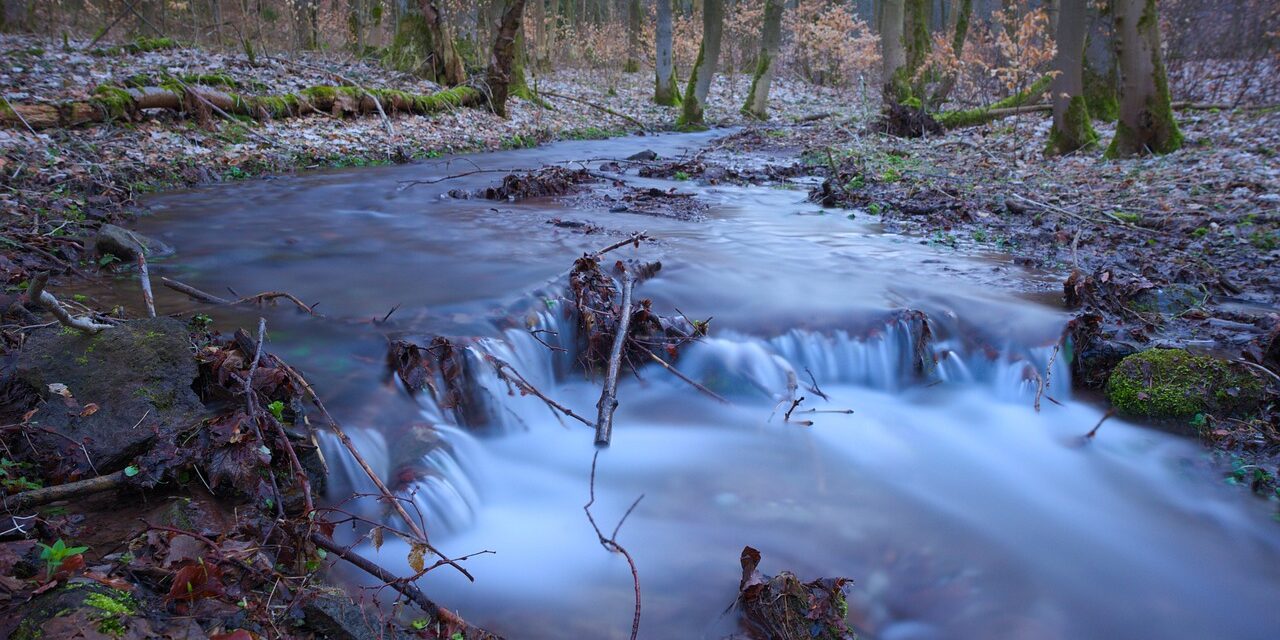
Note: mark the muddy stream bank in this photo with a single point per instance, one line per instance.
(957, 508)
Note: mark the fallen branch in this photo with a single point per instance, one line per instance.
(37, 293)
(377, 481)
(209, 298)
(597, 107)
(676, 372)
(611, 543)
(407, 589)
(78, 489)
(609, 395)
(145, 277)
(1094, 431)
(509, 374)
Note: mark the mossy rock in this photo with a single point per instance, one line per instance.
(1171, 383)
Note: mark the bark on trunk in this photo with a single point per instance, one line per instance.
(665, 90)
(757, 105)
(1101, 79)
(704, 69)
(1146, 118)
(504, 51)
(917, 43)
(1072, 128)
(424, 45)
(114, 103)
(634, 25)
(894, 53)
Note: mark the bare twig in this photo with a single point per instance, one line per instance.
(80, 488)
(387, 496)
(1094, 431)
(509, 374)
(37, 293)
(597, 107)
(814, 388)
(611, 543)
(251, 402)
(145, 277)
(609, 395)
(203, 296)
(1044, 382)
(676, 372)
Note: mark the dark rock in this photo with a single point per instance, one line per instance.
(113, 391)
(645, 155)
(87, 609)
(1172, 299)
(333, 615)
(126, 245)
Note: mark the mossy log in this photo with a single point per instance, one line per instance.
(117, 103)
(970, 117)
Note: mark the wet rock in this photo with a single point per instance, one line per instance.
(333, 615)
(1172, 383)
(111, 391)
(647, 154)
(1173, 299)
(127, 245)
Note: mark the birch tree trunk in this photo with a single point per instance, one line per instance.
(1146, 122)
(894, 57)
(665, 90)
(757, 105)
(1072, 128)
(704, 69)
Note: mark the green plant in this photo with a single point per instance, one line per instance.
(1131, 218)
(201, 321)
(680, 175)
(277, 410)
(1200, 232)
(11, 481)
(107, 259)
(54, 555)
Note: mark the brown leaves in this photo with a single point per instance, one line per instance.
(196, 581)
(783, 608)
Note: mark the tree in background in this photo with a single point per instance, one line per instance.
(1146, 122)
(895, 54)
(704, 68)
(504, 56)
(635, 22)
(424, 45)
(1072, 128)
(1101, 79)
(757, 104)
(666, 91)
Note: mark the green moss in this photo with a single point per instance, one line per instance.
(1076, 132)
(115, 101)
(320, 92)
(1171, 383)
(1100, 94)
(968, 117)
(762, 67)
(412, 47)
(690, 108)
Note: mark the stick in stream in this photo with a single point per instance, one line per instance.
(414, 527)
(509, 374)
(1094, 431)
(145, 277)
(609, 395)
(37, 293)
(209, 298)
(676, 372)
(611, 543)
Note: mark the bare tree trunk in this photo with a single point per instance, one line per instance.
(894, 56)
(1072, 128)
(504, 51)
(1101, 79)
(704, 69)
(915, 39)
(665, 91)
(634, 25)
(1146, 117)
(757, 104)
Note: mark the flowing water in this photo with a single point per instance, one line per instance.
(957, 508)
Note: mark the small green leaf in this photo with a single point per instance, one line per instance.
(277, 410)
(131, 470)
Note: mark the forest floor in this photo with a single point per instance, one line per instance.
(1175, 251)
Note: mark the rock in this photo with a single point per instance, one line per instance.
(113, 391)
(1173, 299)
(126, 245)
(647, 154)
(1171, 383)
(333, 615)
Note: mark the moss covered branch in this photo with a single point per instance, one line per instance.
(110, 102)
(970, 117)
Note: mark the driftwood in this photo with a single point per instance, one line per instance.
(78, 489)
(598, 107)
(37, 293)
(204, 296)
(145, 277)
(609, 395)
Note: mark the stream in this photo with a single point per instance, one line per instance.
(957, 509)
